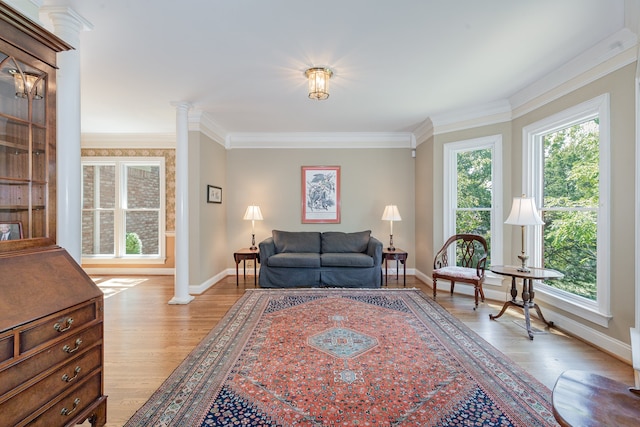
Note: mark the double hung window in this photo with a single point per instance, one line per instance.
(123, 202)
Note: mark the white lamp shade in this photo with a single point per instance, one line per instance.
(253, 213)
(391, 213)
(524, 212)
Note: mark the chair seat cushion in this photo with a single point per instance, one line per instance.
(346, 260)
(457, 272)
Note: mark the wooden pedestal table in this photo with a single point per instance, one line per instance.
(583, 399)
(527, 290)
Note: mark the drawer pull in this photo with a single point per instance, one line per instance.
(67, 348)
(66, 412)
(67, 379)
(67, 325)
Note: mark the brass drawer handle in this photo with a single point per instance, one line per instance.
(67, 348)
(67, 379)
(66, 412)
(58, 327)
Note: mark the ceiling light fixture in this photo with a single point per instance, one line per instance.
(27, 82)
(318, 82)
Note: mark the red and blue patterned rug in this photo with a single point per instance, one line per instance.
(338, 357)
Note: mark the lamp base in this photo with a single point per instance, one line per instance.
(253, 243)
(523, 268)
(391, 248)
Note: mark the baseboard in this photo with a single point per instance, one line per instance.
(131, 271)
(578, 330)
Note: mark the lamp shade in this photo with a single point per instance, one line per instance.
(524, 212)
(391, 213)
(253, 213)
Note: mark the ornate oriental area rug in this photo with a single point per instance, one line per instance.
(334, 357)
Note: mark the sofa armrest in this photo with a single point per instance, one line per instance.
(267, 248)
(374, 250)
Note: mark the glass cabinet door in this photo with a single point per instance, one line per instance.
(24, 156)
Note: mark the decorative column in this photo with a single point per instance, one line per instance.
(67, 25)
(181, 286)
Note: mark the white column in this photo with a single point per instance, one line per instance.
(67, 25)
(181, 287)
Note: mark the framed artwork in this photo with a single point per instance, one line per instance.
(10, 230)
(320, 194)
(214, 194)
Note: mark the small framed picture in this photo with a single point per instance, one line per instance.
(214, 194)
(10, 230)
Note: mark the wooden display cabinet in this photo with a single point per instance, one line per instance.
(51, 312)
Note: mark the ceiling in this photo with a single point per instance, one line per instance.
(395, 62)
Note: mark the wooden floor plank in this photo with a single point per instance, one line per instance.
(146, 338)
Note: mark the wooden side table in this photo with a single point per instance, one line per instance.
(398, 255)
(243, 255)
(527, 290)
(584, 399)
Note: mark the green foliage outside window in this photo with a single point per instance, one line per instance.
(571, 193)
(133, 243)
(475, 194)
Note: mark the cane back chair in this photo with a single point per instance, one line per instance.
(467, 267)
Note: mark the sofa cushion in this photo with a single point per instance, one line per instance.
(296, 241)
(295, 260)
(338, 242)
(346, 260)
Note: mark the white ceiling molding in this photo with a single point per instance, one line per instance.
(607, 56)
(423, 132)
(201, 121)
(331, 140)
(128, 140)
(482, 115)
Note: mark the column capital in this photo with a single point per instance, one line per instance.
(181, 105)
(67, 23)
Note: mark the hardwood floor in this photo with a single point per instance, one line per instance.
(146, 338)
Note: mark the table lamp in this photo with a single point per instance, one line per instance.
(524, 212)
(391, 214)
(253, 213)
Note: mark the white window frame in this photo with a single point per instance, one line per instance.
(450, 202)
(598, 311)
(120, 256)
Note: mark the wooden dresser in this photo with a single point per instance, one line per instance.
(51, 312)
(51, 342)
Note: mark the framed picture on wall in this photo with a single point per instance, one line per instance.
(10, 230)
(320, 194)
(214, 194)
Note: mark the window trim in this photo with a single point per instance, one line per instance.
(451, 149)
(120, 256)
(598, 311)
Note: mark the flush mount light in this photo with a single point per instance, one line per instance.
(318, 82)
(27, 82)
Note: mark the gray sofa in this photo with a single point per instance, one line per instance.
(293, 259)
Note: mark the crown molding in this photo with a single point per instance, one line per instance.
(128, 140)
(201, 121)
(423, 132)
(332, 140)
(609, 55)
(482, 115)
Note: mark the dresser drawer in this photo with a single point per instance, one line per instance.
(59, 324)
(49, 357)
(62, 412)
(6, 346)
(58, 382)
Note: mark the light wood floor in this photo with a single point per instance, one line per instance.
(146, 339)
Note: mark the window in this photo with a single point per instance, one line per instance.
(473, 190)
(566, 160)
(122, 208)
